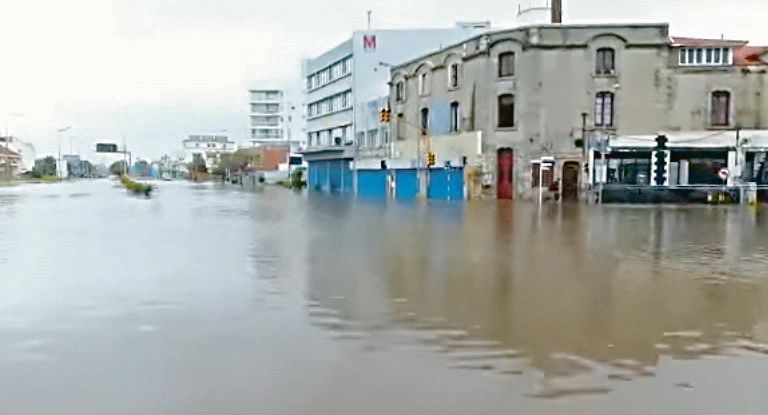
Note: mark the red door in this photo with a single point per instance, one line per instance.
(506, 162)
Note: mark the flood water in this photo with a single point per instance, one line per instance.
(210, 300)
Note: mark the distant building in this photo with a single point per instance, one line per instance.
(74, 165)
(209, 147)
(9, 163)
(341, 83)
(272, 118)
(24, 149)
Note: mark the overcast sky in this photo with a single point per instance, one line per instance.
(155, 71)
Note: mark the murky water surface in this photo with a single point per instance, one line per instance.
(206, 300)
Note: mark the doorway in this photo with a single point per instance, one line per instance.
(570, 181)
(505, 171)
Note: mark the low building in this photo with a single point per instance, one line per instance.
(9, 163)
(25, 149)
(554, 91)
(74, 165)
(207, 147)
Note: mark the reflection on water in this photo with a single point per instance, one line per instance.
(206, 299)
(592, 295)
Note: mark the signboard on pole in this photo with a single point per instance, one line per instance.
(106, 148)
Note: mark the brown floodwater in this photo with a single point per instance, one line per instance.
(211, 300)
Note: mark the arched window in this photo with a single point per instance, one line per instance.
(606, 61)
(424, 120)
(506, 107)
(604, 109)
(424, 84)
(455, 114)
(400, 91)
(720, 109)
(454, 75)
(506, 64)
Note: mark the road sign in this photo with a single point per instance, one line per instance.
(106, 148)
(724, 173)
(295, 160)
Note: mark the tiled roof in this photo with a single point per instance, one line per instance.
(8, 153)
(714, 43)
(751, 55)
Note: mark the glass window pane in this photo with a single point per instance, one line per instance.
(691, 59)
(726, 56)
(709, 55)
(683, 56)
(717, 57)
(699, 56)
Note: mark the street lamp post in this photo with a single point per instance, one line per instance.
(58, 164)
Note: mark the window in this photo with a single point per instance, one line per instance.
(400, 127)
(400, 91)
(604, 109)
(453, 75)
(345, 100)
(506, 64)
(506, 111)
(424, 84)
(454, 127)
(606, 61)
(424, 120)
(704, 56)
(721, 109)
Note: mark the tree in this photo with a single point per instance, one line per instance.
(44, 167)
(198, 164)
(118, 168)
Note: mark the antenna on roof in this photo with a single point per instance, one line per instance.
(369, 18)
(722, 36)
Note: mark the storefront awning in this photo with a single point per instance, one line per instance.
(756, 140)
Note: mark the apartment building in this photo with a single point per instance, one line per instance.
(344, 88)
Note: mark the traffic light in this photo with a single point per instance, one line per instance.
(660, 161)
(385, 115)
(431, 159)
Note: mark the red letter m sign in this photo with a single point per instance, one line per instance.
(369, 42)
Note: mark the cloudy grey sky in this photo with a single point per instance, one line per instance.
(155, 71)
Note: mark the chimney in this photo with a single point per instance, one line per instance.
(557, 11)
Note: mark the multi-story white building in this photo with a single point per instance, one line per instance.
(209, 147)
(345, 88)
(267, 116)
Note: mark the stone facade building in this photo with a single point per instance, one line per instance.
(553, 91)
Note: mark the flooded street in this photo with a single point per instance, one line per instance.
(209, 300)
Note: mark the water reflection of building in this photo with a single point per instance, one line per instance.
(573, 282)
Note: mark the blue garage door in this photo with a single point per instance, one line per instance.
(372, 183)
(347, 177)
(446, 184)
(316, 175)
(335, 175)
(406, 183)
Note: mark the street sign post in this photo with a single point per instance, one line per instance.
(106, 148)
(113, 149)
